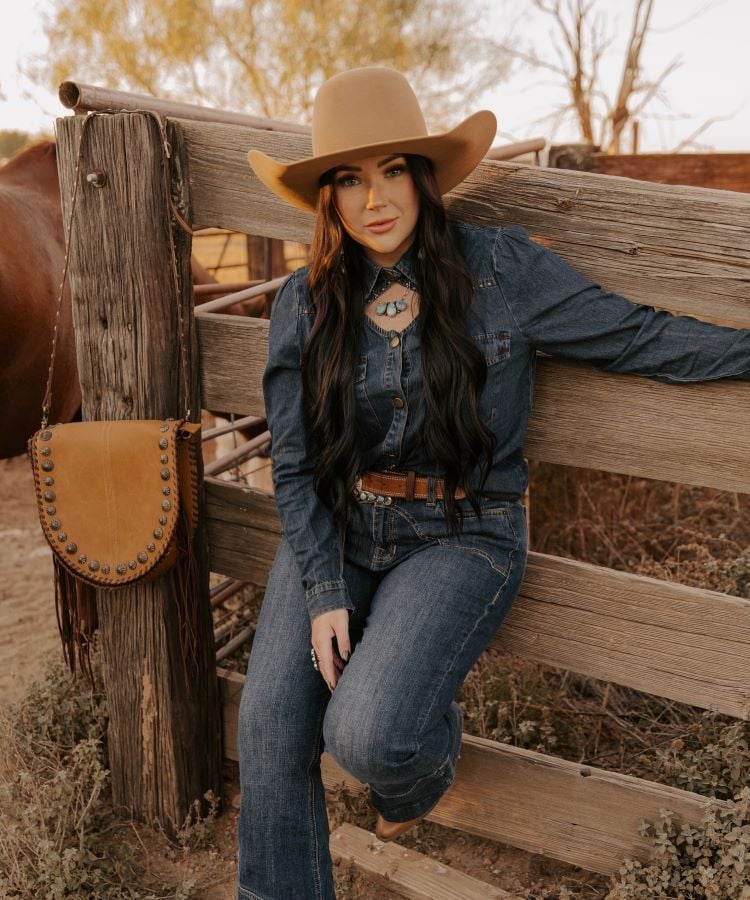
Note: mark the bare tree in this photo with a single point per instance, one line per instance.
(580, 39)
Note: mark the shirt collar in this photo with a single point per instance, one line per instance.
(402, 270)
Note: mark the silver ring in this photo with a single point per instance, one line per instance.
(314, 659)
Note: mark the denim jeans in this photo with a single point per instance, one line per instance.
(426, 605)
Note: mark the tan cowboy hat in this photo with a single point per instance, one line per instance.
(369, 110)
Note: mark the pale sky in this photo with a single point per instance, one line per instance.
(710, 37)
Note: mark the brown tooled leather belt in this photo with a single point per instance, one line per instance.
(407, 485)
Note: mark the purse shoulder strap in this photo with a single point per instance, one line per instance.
(166, 156)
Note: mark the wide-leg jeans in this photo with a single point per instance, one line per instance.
(426, 605)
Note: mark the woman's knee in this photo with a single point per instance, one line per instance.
(358, 736)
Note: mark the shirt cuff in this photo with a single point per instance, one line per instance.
(326, 596)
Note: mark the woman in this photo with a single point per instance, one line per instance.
(398, 389)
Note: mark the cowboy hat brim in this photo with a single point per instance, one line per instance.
(455, 154)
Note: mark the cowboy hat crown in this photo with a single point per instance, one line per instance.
(370, 110)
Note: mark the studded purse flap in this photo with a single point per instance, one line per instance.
(110, 495)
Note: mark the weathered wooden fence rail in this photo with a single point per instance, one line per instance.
(682, 249)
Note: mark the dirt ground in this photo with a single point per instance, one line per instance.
(28, 636)
(28, 628)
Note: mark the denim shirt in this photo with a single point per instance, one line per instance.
(526, 298)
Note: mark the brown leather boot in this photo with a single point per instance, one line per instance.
(387, 831)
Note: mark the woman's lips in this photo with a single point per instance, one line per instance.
(384, 226)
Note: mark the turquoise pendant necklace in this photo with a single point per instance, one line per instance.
(391, 307)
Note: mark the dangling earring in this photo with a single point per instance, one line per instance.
(342, 264)
(420, 253)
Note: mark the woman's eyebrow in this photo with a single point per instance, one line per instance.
(359, 168)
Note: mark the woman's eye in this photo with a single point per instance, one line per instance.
(346, 180)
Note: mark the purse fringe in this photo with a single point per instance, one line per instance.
(185, 579)
(77, 618)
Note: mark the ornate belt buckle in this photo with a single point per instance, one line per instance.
(369, 496)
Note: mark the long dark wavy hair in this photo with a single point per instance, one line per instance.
(454, 368)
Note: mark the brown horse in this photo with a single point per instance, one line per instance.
(31, 263)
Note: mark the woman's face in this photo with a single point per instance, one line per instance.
(378, 190)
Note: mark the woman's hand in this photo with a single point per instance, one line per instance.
(325, 627)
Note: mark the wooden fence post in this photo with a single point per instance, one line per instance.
(164, 736)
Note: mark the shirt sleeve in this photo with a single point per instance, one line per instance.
(563, 313)
(305, 520)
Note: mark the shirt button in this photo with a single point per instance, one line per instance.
(394, 342)
(398, 402)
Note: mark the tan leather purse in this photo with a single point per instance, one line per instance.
(118, 503)
(110, 495)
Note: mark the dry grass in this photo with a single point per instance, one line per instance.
(678, 533)
(59, 837)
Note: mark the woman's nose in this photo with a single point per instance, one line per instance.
(374, 197)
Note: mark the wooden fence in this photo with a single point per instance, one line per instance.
(724, 171)
(682, 249)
